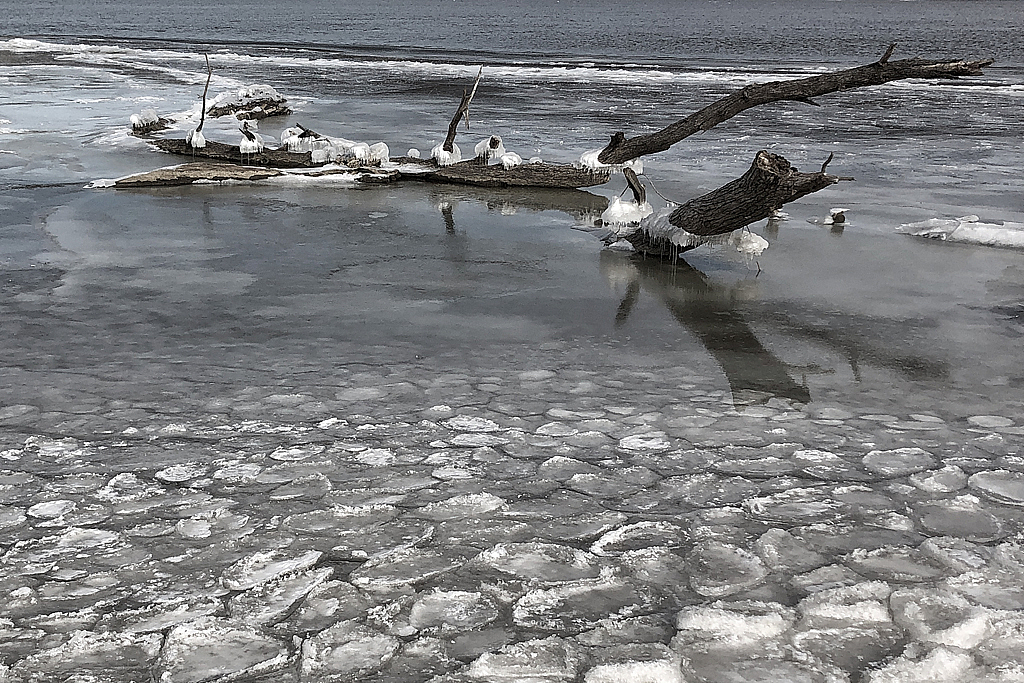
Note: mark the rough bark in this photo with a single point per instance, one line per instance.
(186, 174)
(770, 182)
(218, 151)
(621, 149)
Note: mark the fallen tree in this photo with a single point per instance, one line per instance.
(768, 184)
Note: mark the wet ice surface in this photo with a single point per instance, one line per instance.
(289, 453)
(395, 434)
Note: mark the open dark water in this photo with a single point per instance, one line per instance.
(315, 431)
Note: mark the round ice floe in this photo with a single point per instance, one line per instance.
(795, 506)
(640, 535)
(942, 665)
(990, 421)
(11, 517)
(452, 611)
(294, 453)
(468, 423)
(576, 606)
(541, 561)
(895, 563)
(781, 551)
(346, 649)
(50, 509)
(264, 566)
(271, 601)
(648, 441)
(209, 648)
(948, 479)
(720, 569)
(548, 659)
(999, 485)
(940, 617)
(724, 627)
(238, 473)
(402, 568)
(899, 462)
(467, 505)
(194, 528)
(176, 474)
(964, 517)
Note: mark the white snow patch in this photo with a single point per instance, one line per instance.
(968, 229)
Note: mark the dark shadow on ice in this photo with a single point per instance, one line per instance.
(708, 312)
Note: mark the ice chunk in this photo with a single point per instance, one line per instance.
(50, 509)
(467, 505)
(271, 601)
(732, 627)
(749, 244)
(647, 441)
(589, 160)
(625, 213)
(264, 566)
(541, 561)
(948, 479)
(579, 605)
(413, 153)
(345, 651)
(445, 158)
(999, 485)
(940, 617)
(941, 665)
(510, 160)
(490, 148)
(968, 229)
(659, 671)
(796, 506)
(401, 568)
(899, 462)
(963, 516)
(862, 605)
(957, 554)
(719, 569)
(468, 423)
(206, 648)
(195, 139)
(551, 659)
(452, 611)
(87, 654)
(782, 552)
(640, 535)
(327, 604)
(895, 563)
(379, 152)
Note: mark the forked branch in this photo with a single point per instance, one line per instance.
(460, 113)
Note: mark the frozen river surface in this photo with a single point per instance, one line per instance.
(302, 432)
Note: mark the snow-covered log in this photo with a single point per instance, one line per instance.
(250, 102)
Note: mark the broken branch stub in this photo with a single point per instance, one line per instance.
(770, 182)
(621, 149)
(460, 113)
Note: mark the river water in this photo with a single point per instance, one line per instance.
(323, 431)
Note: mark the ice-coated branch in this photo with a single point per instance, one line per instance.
(622, 149)
(770, 182)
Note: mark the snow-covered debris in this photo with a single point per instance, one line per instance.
(444, 158)
(490, 148)
(250, 102)
(510, 160)
(625, 212)
(589, 160)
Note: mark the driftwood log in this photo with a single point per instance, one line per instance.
(472, 172)
(218, 151)
(622, 149)
(770, 182)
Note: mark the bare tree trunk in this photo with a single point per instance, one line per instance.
(770, 182)
(621, 149)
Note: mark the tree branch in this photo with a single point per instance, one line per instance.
(462, 111)
(621, 150)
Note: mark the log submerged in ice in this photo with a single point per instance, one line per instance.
(540, 175)
(251, 102)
